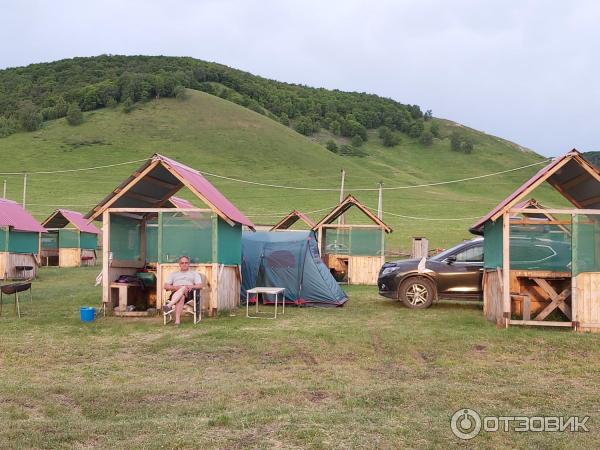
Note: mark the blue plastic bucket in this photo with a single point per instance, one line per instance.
(87, 313)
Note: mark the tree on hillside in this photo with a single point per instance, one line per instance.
(426, 138)
(455, 141)
(128, 105)
(357, 141)
(331, 146)
(180, 93)
(467, 145)
(388, 137)
(8, 126)
(416, 129)
(29, 117)
(434, 128)
(74, 115)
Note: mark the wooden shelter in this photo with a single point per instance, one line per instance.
(70, 241)
(355, 252)
(143, 236)
(288, 221)
(542, 265)
(19, 241)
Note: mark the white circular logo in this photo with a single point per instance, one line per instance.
(465, 424)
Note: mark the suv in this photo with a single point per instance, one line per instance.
(456, 272)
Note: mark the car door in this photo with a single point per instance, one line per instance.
(463, 272)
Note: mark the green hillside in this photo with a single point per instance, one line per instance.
(218, 136)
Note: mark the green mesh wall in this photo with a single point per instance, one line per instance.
(88, 241)
(152, 240)
(532, 247)
(50, 240)
(3, 240)
(229, 243)
(365, 242)
(492, 244)
(23, 242)
(186, 234)
(125, 238)
(586, 244)
(353, 241)
(337, 241)
(540, 247)
(68, 238)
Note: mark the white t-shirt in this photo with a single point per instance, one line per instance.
(186, 278)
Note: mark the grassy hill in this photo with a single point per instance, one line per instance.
(218, 136)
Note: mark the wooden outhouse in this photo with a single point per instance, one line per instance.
(354, 252)
(19, 241)
(70, 241)
(143, 236)
(542, 265)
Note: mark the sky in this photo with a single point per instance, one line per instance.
(526, 71)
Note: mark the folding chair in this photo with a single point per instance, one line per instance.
(193, 306)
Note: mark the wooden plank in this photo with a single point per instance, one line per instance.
(526, 308)
(506, 266)
(579, 211)
(157, 210)
(335, 225)
(537, 323)
(567, 185)
(69, 257)
(105, 253)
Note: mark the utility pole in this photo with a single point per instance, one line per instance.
(341, 220)
(4, 190)
(380, 201)
(24, 189)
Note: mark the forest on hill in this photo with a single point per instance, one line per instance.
(39, 92)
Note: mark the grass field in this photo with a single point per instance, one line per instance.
(217, 136)
(372, 374)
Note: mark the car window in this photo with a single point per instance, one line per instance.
(472, 254)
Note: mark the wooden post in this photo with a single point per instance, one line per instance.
(506, 267)
(320, 239)
(4, 190)
(214, 290)
(105, 261)
(380, 201)
(341, 219)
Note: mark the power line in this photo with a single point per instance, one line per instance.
(278, 186)
(46, 172)
(425, 218)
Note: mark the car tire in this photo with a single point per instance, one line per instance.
(417, 293)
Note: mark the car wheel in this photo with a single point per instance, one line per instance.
(417, 293)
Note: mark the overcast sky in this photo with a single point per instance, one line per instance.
(527, 71)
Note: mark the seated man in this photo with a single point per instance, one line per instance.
(182, 285)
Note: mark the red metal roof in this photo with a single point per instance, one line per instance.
(79, 221)
(13, 215)
(207, 190)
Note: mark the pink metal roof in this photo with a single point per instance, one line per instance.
(13, 215)
(207, 190)
(79, 221)
(179, 202)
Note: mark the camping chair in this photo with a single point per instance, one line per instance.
(15, 288)
(193, 306)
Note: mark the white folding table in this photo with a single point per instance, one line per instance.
(265, 290)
